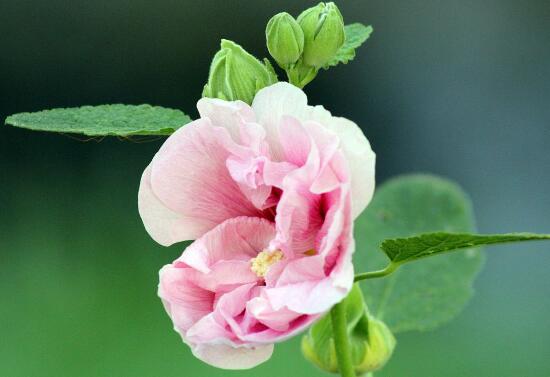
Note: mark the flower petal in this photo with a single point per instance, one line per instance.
(308, 297)
(278, 100)
(189, 177)
(164, 225)
(237, 239)
(230, 357)
(230, 115)
(184, 302)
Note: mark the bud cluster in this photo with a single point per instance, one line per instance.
(304, 45)
(300, 46)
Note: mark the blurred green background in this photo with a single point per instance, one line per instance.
(456, 88)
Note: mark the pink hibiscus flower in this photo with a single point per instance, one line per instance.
(269, 192)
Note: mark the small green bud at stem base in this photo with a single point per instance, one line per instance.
(349, 340)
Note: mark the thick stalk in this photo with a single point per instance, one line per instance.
(341, 340)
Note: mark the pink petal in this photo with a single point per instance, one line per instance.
(295, 140)
(307, 268)
(224, 276)
(278, 100)
(278, 320)
(308, 297)
(237, 239)
(184, 301)
(164, 225)
(230, 115)
(248, 173)
(189, 176)
(209, 330)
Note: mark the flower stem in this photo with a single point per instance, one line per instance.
(341, 340)
(377, 274)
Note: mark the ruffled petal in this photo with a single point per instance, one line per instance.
(278, 100)
(308, 297)
(229, 115)
(185, 302)
(237, 239)
(190, 178)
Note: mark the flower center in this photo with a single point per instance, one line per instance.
(260, 265)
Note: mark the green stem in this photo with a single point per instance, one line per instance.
(341, 341)
(377, 274)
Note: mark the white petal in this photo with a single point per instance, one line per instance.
(164, 225)
(229, 357)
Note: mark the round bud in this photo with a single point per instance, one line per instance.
(373, 353)
(285, 39)
(323, 28)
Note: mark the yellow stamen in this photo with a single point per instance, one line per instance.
(260, 265)
(310, 252)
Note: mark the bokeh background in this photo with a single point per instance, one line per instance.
(456, 88)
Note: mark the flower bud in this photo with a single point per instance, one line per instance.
(237, 75)
(324, 359)
(285, 39)
(323, 28)
(371, 342)
(373, 353)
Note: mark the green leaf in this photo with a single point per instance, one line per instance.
(402, 250)
(417, 296)
(104, 120)
(356, 35)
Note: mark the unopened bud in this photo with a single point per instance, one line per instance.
(371, 341)
(285, 39)
(373, 353)
(237, 75)
(323, 28)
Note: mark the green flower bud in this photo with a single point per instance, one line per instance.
(325, 360)
(373, 352)
(371, 342)
(285, 39)
(323, 28)
(237, 75)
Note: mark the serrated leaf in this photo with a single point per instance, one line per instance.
(103, 120)
(402, 250)
(422, 295)
(356, 35)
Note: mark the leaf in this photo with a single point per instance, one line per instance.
(402, 250)
(104, 120)
(418, 296)
(356, 35)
